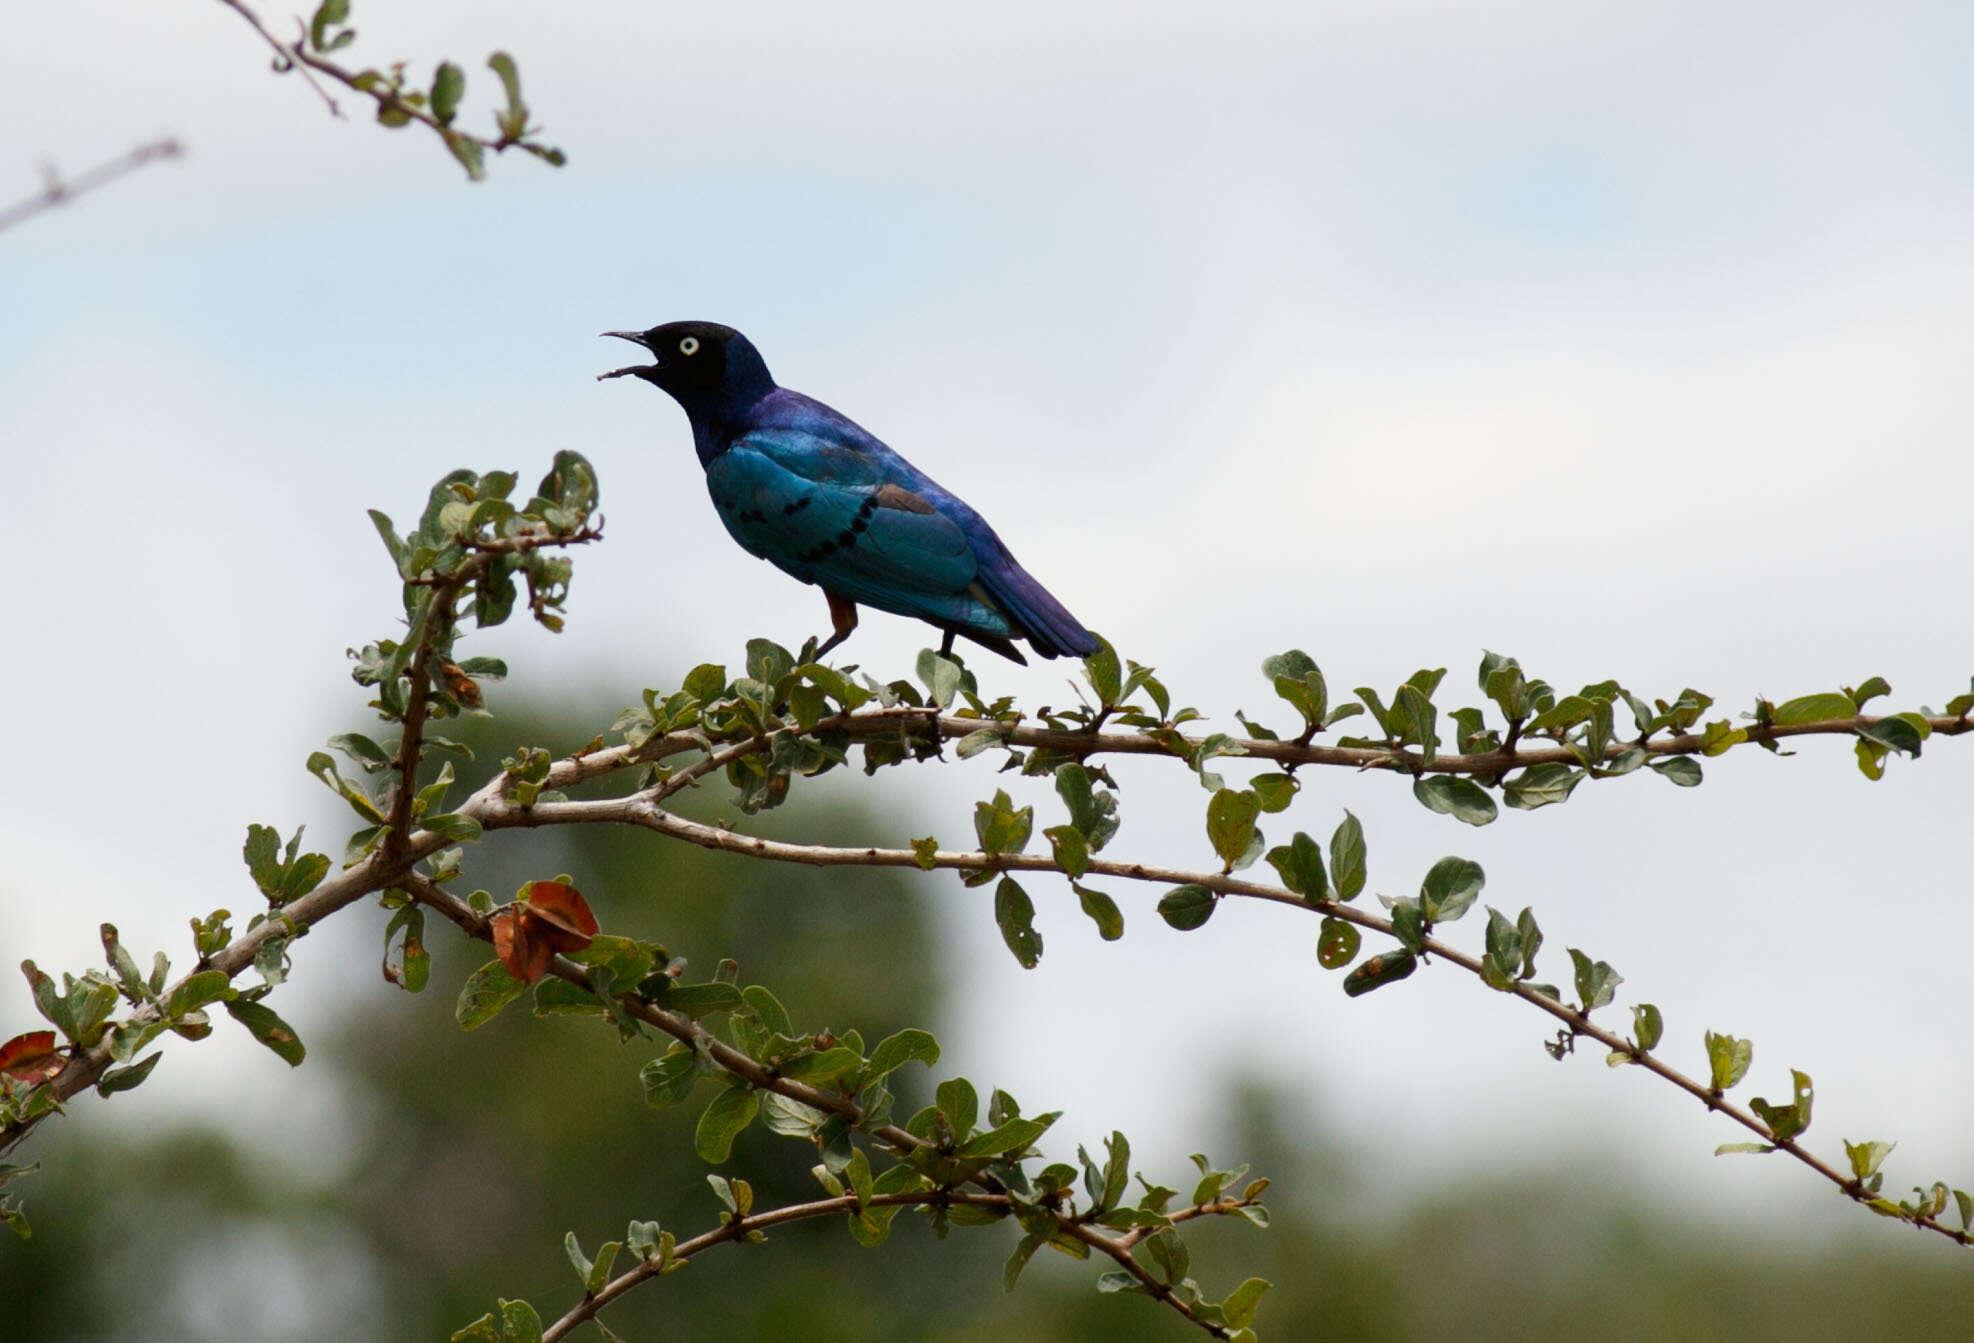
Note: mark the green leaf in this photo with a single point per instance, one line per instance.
(1007, 1139)
(1786, 1121)
(1867, 1157)
(577, 1259)
(1871, 759)
(1187, 907)
(973, 743)
(487, 990)
(1239, 1307)
(1872, 688)
(323, 767)
(1297, 679)
(1421, 719)
(503, 65)
(1540, 786)
(269, 1029)
(1647, 1026)
(1015, 913)
(1001, 827)
(124, 1079)
(1728, 1060)
(1117, 1170)
(1380, 970)
(1815, 709)
(923, 851)
(1347, 858)
(1300, 864)
(1072, 849)
(702, 1000)
(414, 967)
(1274, 792)
(960, 1103)
(1337, 944)
(329, 14)
(1106, 680)
(519, 1323)
(1102, 910)
(895, 1051)
(1452, 795)
(448, 87)
(1902, 733)
(768, 1009)
(1408, 923)
(1230, 823)
(1168, 1253)
(669, 1079)
(207, 986)
(729, 1113)
(1030, 1243)
(941, 675)
(1683, 770)
(1596, 981)
(1450, 888)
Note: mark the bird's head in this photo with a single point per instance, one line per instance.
(705, 366)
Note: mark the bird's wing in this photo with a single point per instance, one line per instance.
(828, 512)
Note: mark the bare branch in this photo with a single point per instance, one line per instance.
(60, 192)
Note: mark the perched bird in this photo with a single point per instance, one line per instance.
(820, 498)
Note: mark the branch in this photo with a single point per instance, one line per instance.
(87, 1066)
(60, 192)
(390, 864)
(861, 723)
(284, 58)
(738, 1064)
(440, 612)
(737, 1227)
(395, 107)
(640, 810)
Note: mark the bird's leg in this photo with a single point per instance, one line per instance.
(842, 618)
(946, 647)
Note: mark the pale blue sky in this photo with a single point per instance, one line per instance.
(1632, 341)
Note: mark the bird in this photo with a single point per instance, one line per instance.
(821, 498)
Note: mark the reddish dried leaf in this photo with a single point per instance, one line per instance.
(31, 1058)
(461, 686)
(557, 915)
(526, 957)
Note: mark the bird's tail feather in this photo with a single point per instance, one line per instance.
(1051, 630)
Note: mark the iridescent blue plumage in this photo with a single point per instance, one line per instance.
(822, 499)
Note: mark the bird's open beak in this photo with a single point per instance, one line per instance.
(635, 338)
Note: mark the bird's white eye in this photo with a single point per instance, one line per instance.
(690, 345)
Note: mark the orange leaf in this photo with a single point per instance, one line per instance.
(31, 1058)
(557, 915)
(525, 957)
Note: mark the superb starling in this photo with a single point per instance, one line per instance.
(819, 497)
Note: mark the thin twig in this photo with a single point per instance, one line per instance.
(290, 58)
(297, 56)
(59, 191)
